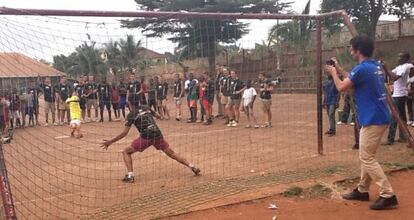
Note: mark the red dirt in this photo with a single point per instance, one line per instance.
(319, 208)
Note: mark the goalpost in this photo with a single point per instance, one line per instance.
(53, 176)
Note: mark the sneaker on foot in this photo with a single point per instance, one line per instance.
(384, 203)
(412, 125)
(195, 170)
(128, 179)
(356, 195)
(409, 122)
(340, 123)
(256, 126)
(55, 124)
(46, 124)
(230, 123)
(234, 124)
(352, 123)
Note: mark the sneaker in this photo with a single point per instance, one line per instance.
(340, 123)
(409, 122)
(230, 124)
(356, 195)
(412, 125)
(352, 123)
(61, 123)
(195, 170)
(384, 203)
(256, 126)
(46, 124)
(234, 124)
(128, 179)
(55, 124)
(248, 126)
(178, 119)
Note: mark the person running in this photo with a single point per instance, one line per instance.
(248, 98)
(115, 102)
(75, 115)
(236, 89)
(63, 91)
(81, 93)
(152, 95)
(49, 95)
(91, 98)
(104, 97)
(122, 88)
(150, 135)
(266, 88)
(178, 95)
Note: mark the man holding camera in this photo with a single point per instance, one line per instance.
(367, 80)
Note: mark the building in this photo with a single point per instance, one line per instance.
(18, 70)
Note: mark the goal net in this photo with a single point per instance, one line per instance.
(53, 175)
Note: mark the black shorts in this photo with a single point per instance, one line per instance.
(82, 103)
(152, 102)
(105, 103)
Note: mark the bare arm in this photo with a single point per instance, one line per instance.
(341, 85)
(392, 76)
(182, 89)
(107, 143)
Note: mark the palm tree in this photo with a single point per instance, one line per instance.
(114, 56)
(129, 49)
(90, 60)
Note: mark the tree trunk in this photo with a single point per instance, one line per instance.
(212, 65)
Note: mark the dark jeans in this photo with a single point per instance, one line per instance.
(330, 109)
(400, 104)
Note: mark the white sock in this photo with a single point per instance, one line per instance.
(130, 173)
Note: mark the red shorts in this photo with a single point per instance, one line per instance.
(142, 144)
(206, 104)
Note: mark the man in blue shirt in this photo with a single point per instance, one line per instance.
(367, 81)
(331, 99)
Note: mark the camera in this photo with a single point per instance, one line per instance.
(330, 62)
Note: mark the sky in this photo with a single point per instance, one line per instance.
(64, 35)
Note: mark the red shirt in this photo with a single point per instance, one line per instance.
(115, 95)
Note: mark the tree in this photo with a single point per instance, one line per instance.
(199, 38)
(129, 49)
(90, 60)
(113, 56)
(366, 14)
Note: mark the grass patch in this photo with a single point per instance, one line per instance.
(293, 191)
(317, 190)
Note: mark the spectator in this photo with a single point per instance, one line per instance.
(208, 98)
(219, 76)
(144, 87)
(133, 87)
(49, 92)
(331, 99)
(34, 90)
(152, 95)
(91, 98)
(15, 110)
(62, 93)
(192, 97)
(266, 88)
(80, 89)
(225, 93)
(248, 98)
(115, 102)
(399, 77)
(178, 95)
(236, 89)
(122, 88)
(104, 97)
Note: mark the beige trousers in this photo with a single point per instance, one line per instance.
(369, 141)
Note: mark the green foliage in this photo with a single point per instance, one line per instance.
(293, 191)
(366, 14)
(199, 38)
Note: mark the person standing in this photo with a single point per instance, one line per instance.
(104, 97)
(91, 98)
(331, 99)
(81, 94)
(225, 94)
(152, 95)
(63, 91)
(248, 98)
(122, 88)
(208, 98)
(49, 95)
(133, 87)
(178, 95)
(115, 102)
(144, 87)
(399, 77)
(266, 88)
(219, 76)
(367, 81)
(236, 90)
(34, 90)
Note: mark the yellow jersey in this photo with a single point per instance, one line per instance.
(74, 107)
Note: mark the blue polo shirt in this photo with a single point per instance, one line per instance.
(368, 81)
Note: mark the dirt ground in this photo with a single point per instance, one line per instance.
(53, 176)
(314, 208)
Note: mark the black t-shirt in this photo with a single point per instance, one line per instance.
(122, 88)
(225, 85)
(151, 91)
(48, 92)
(64, 91)
(160, 91)
(80, 89)
(91, 87)
(235, 86)
(178, 88)
(210, 89)
(144, 121)
(217, 81)
(134, 87)
(104, 92)
(265, 94)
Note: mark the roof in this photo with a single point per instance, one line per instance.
(13, 65)
(147, 53)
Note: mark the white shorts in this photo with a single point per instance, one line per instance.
(75, 123)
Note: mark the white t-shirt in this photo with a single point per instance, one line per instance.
(248, 95)
(400, 86)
